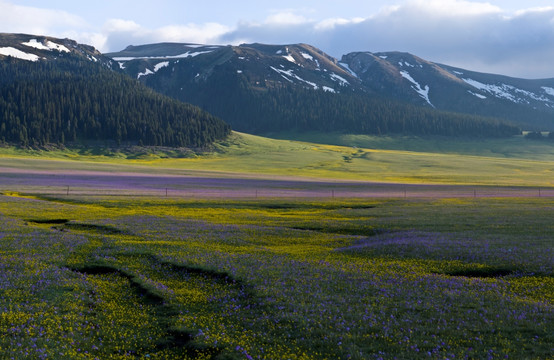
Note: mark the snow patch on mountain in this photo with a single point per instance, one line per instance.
(476, 94)
(157, 67)
(347, 68)
(343, 81)
(49, 45)
(329, 89)
(509, 92)
(181, 56)
(531, 95)
(423, 92)
(145, 73)
(161, 65)
(57, 47)
(291, 74)
(500, 91)
(13, 52)
(290, 58)
(406, 63)
(548, 90)
(307, 56)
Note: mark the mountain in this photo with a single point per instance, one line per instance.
(403, 76)
(260, 88)
(261, 66)
(58, 91)
(40, 48)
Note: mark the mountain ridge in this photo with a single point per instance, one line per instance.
(259, 88)
(396, 76)
(527, 102)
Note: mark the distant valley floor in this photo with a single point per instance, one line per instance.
(232, 186)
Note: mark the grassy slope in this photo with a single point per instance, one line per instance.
(514, 147)
(413, 160)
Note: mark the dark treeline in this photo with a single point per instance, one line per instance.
(537, 135)
(57, 102)
(285, 109)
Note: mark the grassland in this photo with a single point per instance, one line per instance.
(90, 276)
(438, 161)
(113, 278)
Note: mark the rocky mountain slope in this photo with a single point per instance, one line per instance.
(529, 103)
(395, 76)
(261, 66)
(263, 88)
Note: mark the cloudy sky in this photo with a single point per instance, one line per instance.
(510, 37)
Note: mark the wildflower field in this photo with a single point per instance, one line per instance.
(154, 277)
(269, 249)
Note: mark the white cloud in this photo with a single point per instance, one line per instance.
(329, 24)
(26, 19)
(451, 8)
(545, 9)
(120, 25)
(285, 18)
(199, 33)
(118, 34)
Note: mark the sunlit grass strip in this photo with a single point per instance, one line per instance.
(248, 154)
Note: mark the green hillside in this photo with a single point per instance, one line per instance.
(70, 100)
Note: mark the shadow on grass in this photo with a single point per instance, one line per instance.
(94, 228)
(178, 339)
(481, 272)
(339, 230)
(48, 221)
(66, 224)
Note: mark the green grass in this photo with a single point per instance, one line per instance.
(501, 162)
(276, 279)
(87, 277)
(516, 147)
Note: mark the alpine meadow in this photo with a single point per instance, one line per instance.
(195, 201)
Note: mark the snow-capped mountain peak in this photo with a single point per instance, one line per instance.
(44, 48)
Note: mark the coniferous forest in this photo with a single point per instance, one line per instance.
(287, 108)
(70, 99)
